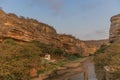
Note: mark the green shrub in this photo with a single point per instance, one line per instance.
(58, 52)
(102, 49)
(77, 55)
(40, 71)
(72, 56)
(110, 56)
(9, 41)
(17, 59)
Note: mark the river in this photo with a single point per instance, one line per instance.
(89, 68)
(82, 69)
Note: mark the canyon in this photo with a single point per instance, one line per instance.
(26, 29)
(107, 61)
(24, 40)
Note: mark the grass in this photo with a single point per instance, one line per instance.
(108, 56)
(17, 59)
(50, 66)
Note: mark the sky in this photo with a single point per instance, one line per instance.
(84, 19)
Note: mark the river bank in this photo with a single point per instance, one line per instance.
(67, 70)
(88, 73)
(70, 70)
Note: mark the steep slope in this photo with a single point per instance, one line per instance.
(94, 45)
(115, 28)
(25, 29)
(107, 61)
(24, 42)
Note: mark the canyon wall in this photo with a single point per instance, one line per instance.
(107, 61)
(26, 29)
(115, 28)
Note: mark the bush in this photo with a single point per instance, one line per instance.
(49, 49)
(72, 56)
(58, 52)
(77, 55)
(9, 41)
(110, 57)
(102, 49)
(17, 59)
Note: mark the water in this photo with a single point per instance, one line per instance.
(86, 69)
(78, 77)
(89, 67)
(91, 72)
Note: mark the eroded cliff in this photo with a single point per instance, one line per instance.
(107, 61)
(26, 29)
(115, 28)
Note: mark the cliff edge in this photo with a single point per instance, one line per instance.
(26, 29)
(115, 28)
(107, 61)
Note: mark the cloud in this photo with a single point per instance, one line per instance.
(100, 32)
(96, 34)
(55, 5)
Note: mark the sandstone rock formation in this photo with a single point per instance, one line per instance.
(93, 45)
(115, 28)
(23, 29)
(26, 29)
(107, 62)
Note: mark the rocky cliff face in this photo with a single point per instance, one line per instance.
(115, 28)
(26, 29)
(23, 29)
(94, 45)
(107, 62)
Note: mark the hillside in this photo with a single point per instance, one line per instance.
(24, 42)
(94, 45)
(107, 61)
(25, 29)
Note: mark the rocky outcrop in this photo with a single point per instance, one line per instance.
(26, 29)
(107, 62)
(93, 45)
(115, 28)
(22, 29)
(70, 43)
(112, 72)
(84, 48)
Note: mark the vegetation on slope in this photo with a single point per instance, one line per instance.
(17, 59)
(108, 56)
